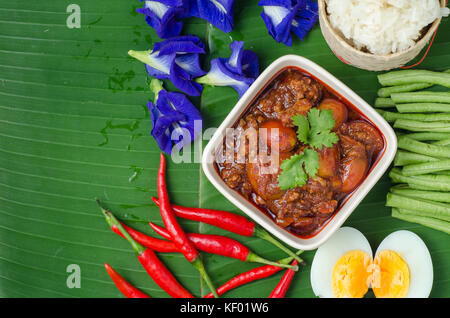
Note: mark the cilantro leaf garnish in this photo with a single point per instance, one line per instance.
(296, 169)
(313, 130)
(316, 129)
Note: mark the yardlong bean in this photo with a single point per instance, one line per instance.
(433, 223)
(426, 167)
(392, 117)
(438, 196)
(424, 136)
(387, 91)
(421, 97)
(423, 108)
(422, 182)
(403, 158)
(433, 209)
(384, 103)
(423, 148)
(420, 126)
(414, 76)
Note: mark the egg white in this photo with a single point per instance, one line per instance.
(415, 253)
(344, 240)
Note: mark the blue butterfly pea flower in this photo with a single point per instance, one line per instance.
(285, 16)
(238, 71)
(176, 59)
(173, 118)
(217, 12)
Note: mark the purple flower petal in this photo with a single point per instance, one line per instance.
(162, 138)
(183, 81)
(305, 19)
(250, 65)
(191, 64)
(217, 12)
(283, 16)
(179, 45)
(164, 16)
(234, 62)
(242, 62)
(173, 111)
(220, 75)
(156, 65)
(176, 59)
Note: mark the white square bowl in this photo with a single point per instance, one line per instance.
(350, 202)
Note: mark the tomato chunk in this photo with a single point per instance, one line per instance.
(277, 133)
(328, 162)
(354, 163)
(340, 112)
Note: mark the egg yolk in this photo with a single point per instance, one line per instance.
(350, 275)
(390, 277)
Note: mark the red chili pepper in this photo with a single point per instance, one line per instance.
(249, 276)
(125, 287)
(222, 245)
(176, 232)
(151, 263)
(225, 220)
(231, 222)
(282, 287)
(148, 241)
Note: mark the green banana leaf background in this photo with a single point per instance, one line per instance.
(74, 125)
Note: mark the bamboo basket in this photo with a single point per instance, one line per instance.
(368, 61)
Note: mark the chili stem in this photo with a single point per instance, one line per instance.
(263, 234)
(252, 257)
(112, 221)
(198, 264)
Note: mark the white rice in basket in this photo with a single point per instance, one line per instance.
(383, 26)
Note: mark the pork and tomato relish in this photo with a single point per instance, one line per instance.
(253, 168)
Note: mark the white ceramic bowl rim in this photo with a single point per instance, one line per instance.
(350, 203)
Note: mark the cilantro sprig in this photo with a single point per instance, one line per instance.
(313, 130)
(316, 129)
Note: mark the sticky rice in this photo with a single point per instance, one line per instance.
(383, 26)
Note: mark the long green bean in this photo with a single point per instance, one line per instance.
(423, 148)
(428, 208)
(420, 126)
(433, 223)
(426, 168)
(443, 142)
(443, 173)
(391, 116)
(403, 158)
(414, 76)
(422, 182)
(424, 136)
(384, 103)
(387, 91)
(423, 108)
(421, 97)
(421, 194)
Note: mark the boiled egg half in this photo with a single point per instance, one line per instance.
(344, 267)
